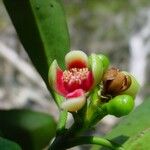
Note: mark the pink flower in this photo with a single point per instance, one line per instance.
(74, 82)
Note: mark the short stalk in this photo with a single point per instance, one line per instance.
(98, 115)
(94, 111)
(57, 98)
(62, 122)
(58, 143)
(63, 114)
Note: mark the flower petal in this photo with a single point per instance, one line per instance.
(56, 78)
(89, 82)
(74, 104)
(76, 59)
(76, 93)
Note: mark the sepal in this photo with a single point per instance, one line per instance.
(55, 77)
(134, 86)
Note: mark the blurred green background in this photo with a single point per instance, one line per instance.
(118, 28)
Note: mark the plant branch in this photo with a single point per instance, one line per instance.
(71, 142)
(92, 140)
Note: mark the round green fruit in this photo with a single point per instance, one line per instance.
(120, 105)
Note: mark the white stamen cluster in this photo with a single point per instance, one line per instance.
(75, 75)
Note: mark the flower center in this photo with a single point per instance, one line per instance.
(75, 75)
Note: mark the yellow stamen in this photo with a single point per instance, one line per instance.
(75, 75)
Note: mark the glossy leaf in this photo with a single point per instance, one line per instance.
(32, 130)
(130, 127)
(42, 29)
(8, 145)
(139, 141)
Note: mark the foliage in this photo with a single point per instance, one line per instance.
(40, 35)
(32, 130)
(133, 130)
(42, 29)
(7, 145)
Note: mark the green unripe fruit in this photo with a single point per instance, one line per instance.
(105, 61)
(120, 105)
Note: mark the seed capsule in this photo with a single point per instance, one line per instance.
(115, 81)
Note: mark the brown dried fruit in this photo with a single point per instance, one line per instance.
(114, 81)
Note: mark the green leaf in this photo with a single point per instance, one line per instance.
(8, 145)
(130, 127)
(139, 141)
(32, 130)
(41, 26)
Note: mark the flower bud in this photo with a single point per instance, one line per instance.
(96, 66)
(105, 61)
